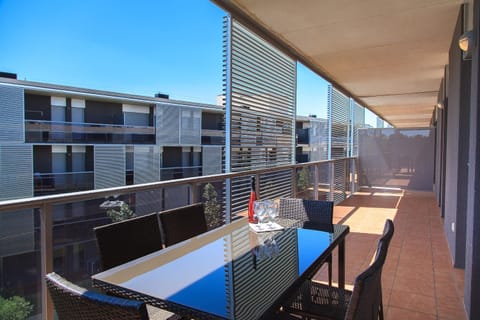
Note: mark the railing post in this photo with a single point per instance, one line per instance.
(352, 175)
(316, 181)
(46, 256)
(194, 192)
(331, 180)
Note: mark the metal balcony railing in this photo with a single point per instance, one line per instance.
(63, 182)
(55, 233)
(42, 131)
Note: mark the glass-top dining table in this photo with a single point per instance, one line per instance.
(231, 272)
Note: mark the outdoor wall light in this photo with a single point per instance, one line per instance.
(465, 42)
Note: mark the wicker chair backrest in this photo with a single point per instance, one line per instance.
(127, 240)
(76, 303)
(315, 212)
(182, 223)
(366, 300)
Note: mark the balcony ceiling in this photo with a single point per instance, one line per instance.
(390, 55)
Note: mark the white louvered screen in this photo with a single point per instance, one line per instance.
(16, 171)
(246, 282)
(211, 160)
(318, 134)
(191, 127)
(168, 124)
(109, 162)
(276, 184)
(340, 185)
(339, 123)
(146, 164)
(12, 115)
(358, 123)
(260, 83)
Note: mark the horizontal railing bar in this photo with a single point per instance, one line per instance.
(37, 202)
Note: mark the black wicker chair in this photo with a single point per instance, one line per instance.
(182, 223)
(76, 303)
(315, 214)
(127, 240)
(317, 301)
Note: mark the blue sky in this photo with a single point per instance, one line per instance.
(138, 47)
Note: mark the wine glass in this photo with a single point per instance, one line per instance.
(260, 212)
(272, 212)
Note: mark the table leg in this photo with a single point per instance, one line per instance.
(341, 264)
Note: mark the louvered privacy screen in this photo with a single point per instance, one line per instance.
(318, 135)
(168, 124)
(12, 115)
(339, 123)
(146, 164)
(211, 160)
(260, 112)
(16, 176)
(109, 162)
(246, 303)
(358, 123)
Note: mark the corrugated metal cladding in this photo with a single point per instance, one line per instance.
(339, 123)
(16, 171)
(12, 115)
(358, 123)
(318, 135)
(245, 282)
(168, 124)
(146, 164)
(211, 160)
(178, 125)
(109, 163)
(260, 86)
(191, 127)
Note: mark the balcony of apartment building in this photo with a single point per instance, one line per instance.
(52, 119)
(424, 180)
(213, 128)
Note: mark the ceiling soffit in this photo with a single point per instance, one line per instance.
(388, 55)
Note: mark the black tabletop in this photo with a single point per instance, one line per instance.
(229, 273)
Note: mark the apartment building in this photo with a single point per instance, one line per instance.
(58, 139)
(61, 139)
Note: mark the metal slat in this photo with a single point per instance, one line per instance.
(16, 171)
(109, 162)
(168, 124)
(339, 122)
(146, 164)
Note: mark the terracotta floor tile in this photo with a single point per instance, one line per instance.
(394, 313)
(413, 302)
(418, 279)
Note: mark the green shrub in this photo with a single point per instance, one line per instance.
(124, 213)
(15, 308)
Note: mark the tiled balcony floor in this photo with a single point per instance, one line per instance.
(418, 279)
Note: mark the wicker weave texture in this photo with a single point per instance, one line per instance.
(316, 214)
(319, 301)
(75, 303)
(303, 210)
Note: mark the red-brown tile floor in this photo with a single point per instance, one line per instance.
(418, 279)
